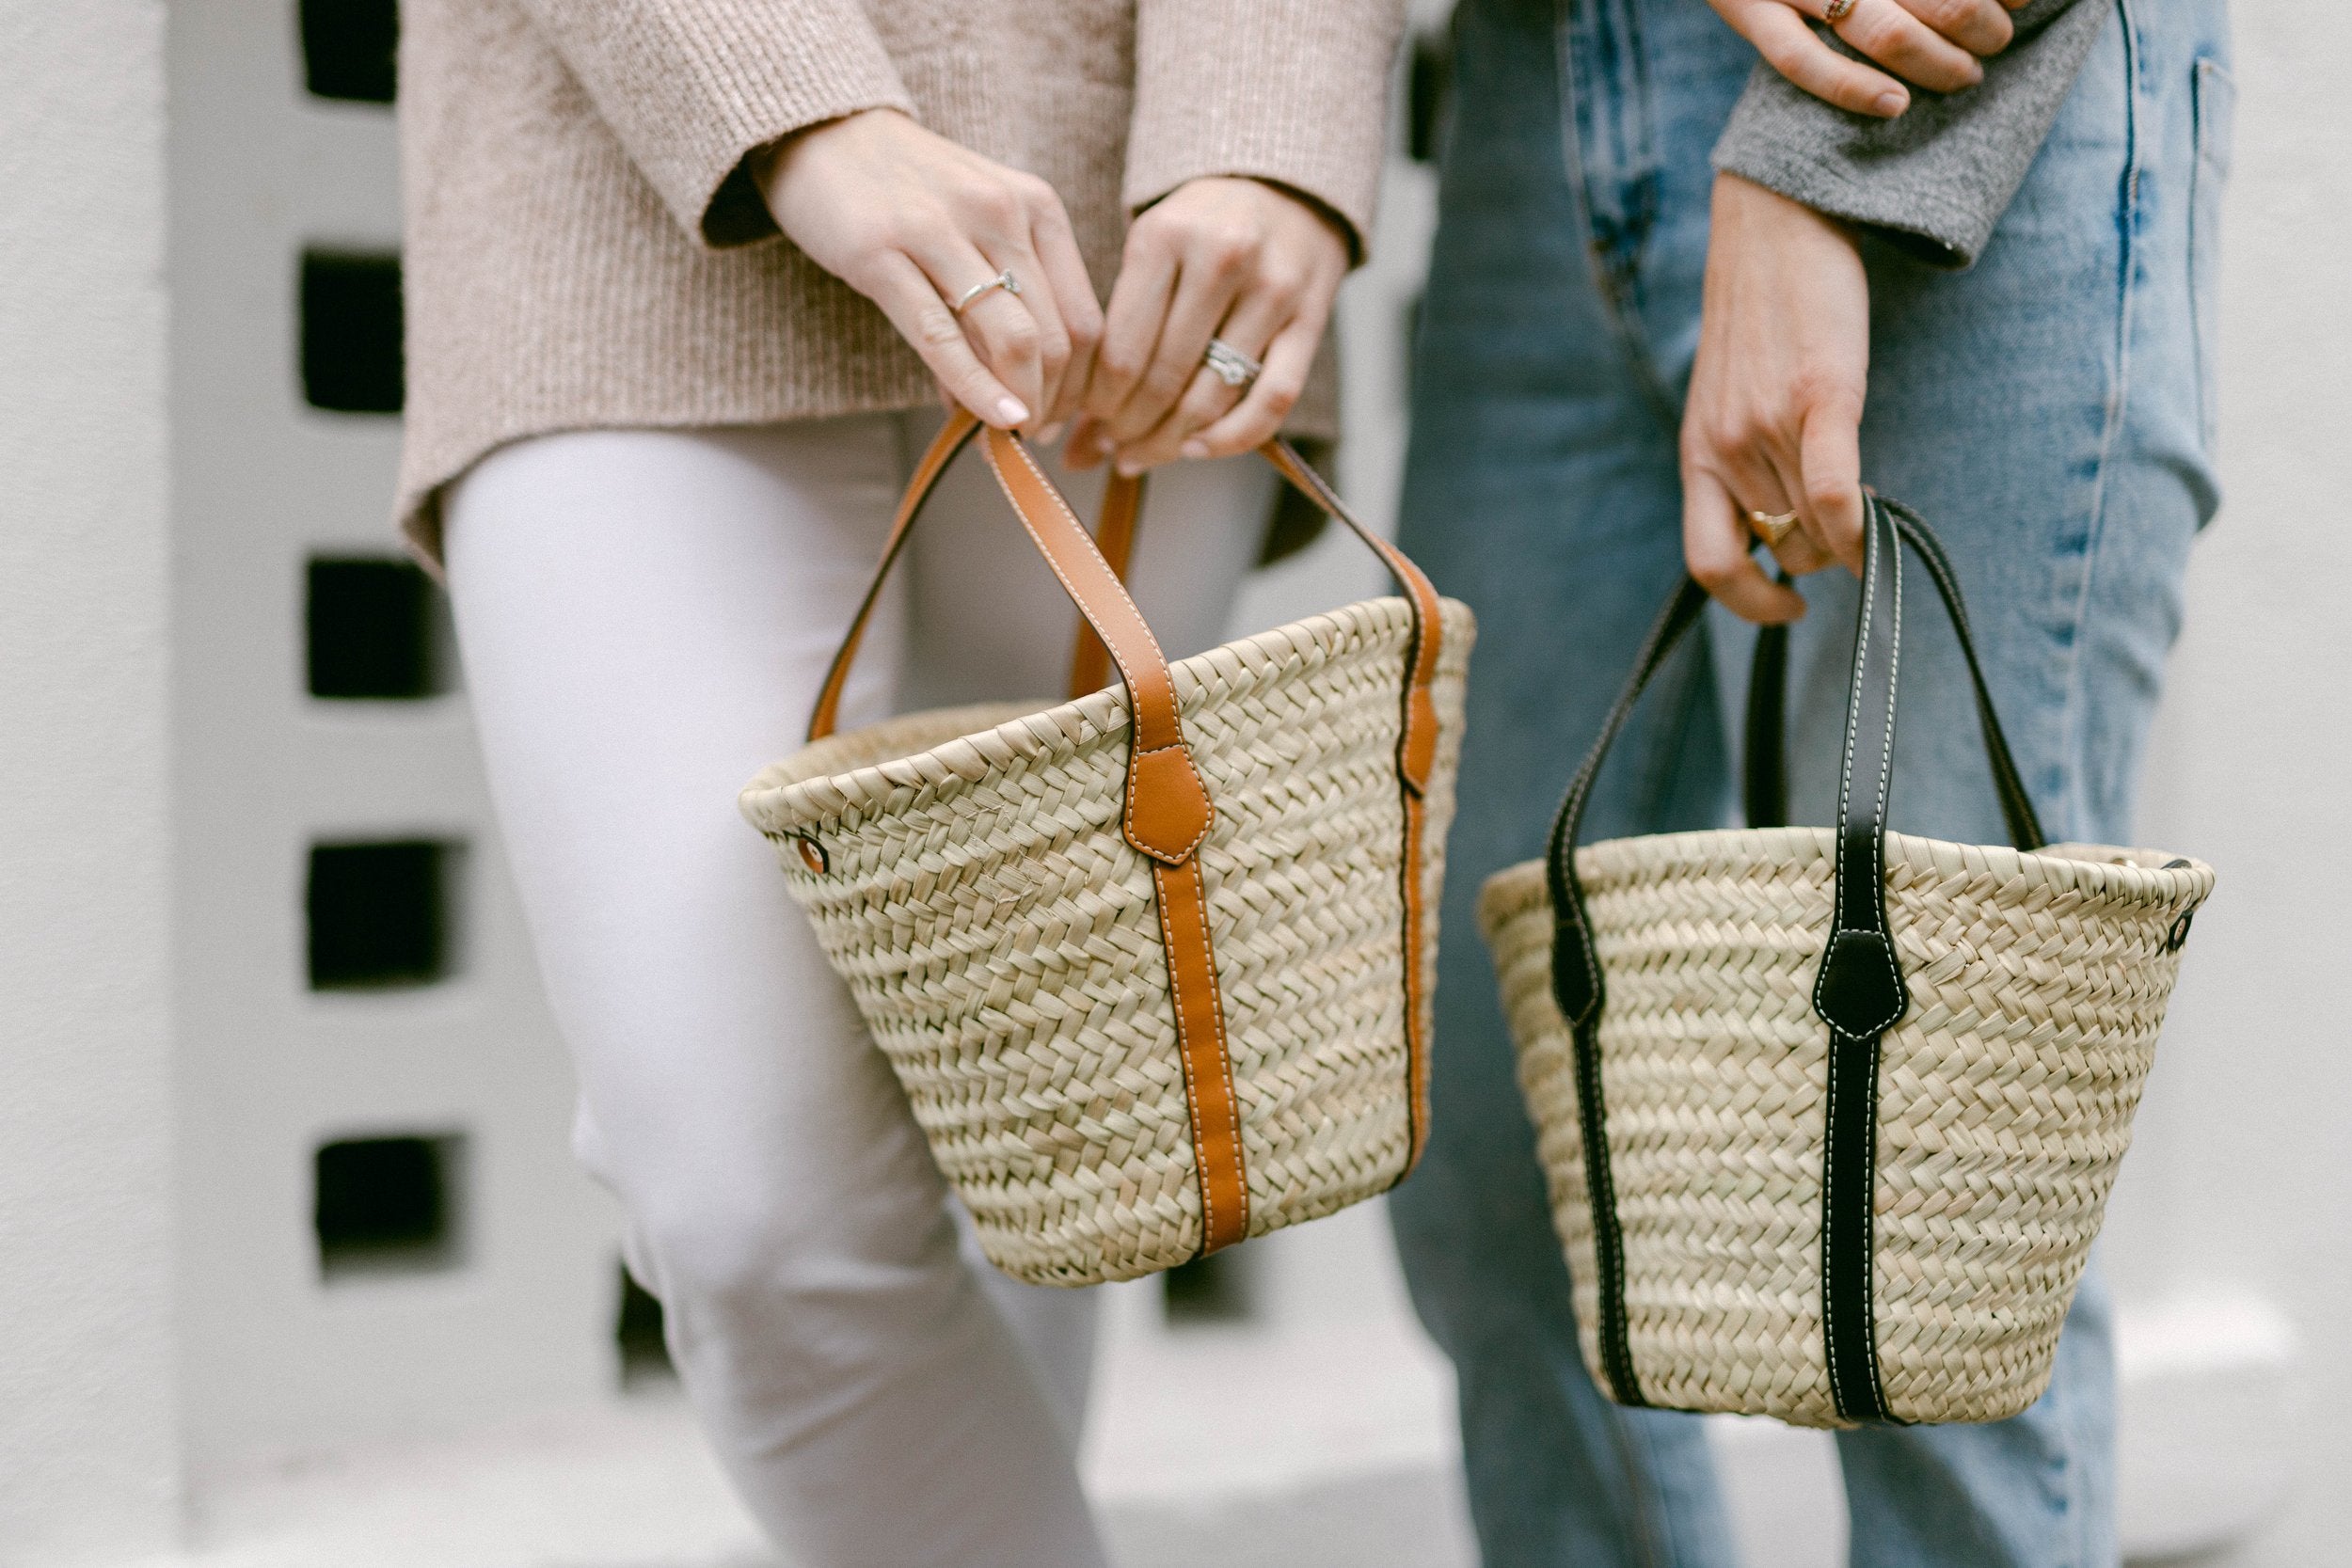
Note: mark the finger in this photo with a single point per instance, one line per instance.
(1131, 328)
(1763, 486)
(1980, 27)
(1830, 450)
(1716, 547)
(1209, 279)
(1797, 52)
(1043, 304)
(1065, 274)
(908, 296)
(1002, 330)
(1908, 47)
(1251, 326)
(1258, 418)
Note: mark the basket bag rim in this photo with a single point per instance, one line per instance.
(2098, 870)
(804, 791)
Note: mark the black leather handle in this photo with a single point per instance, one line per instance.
(1764, 792)
(1859, 989)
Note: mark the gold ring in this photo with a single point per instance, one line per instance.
(1772, 527)
(1838, 10)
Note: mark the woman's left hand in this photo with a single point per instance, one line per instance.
(1773, 424)
(1237, 260)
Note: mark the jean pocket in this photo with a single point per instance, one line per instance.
(2215, 106)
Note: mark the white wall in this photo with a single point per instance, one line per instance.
(280, 1362)
(86, 1371)
(2244, 1162)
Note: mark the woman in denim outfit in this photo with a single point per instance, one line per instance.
(2023, 270)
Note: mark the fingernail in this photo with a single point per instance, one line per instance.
(1891, 104)
(1011, 411)
(1195, 450)
(1129, 467)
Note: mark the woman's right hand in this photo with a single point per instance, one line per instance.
(1933, 44)
(912, 220)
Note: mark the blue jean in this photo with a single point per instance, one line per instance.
(2049, 411)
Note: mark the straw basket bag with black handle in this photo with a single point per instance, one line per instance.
(1152, 966)
(1829, 1117)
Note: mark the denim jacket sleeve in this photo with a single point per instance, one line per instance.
(1937, 180)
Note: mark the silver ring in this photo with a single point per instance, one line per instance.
(1004, 280)
(1838, 10)
(1232, 365)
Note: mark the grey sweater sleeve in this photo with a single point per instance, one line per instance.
(1936, 179)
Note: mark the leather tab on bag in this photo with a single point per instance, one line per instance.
(1168, 806)
(1861, 991)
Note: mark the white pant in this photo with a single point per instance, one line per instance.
(646, 617)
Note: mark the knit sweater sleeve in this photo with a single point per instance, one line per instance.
(1295, 91)
(692, 87)
(1937, 179)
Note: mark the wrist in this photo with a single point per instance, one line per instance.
(768, 165)
(1746, 204)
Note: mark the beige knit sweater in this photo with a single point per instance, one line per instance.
(584, 248)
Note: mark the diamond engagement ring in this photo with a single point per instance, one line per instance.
(1772, 527)
(1002, 280)
(1230, 365)
(1836, 13)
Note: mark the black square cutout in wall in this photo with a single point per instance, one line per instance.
(351, 327)
(637, 1333)
(371, 628)
(1428, 83)
(348, 48)
(379, 913)
(1211, 1289)
(387, 1205)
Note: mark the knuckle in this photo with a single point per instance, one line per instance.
(1283, 284)
(1821, 392)
(1825, 492)
(1709, 570)
(1280, 397)
(936, 329)
(1021, 339)
(1785, 56)
(1229, 249)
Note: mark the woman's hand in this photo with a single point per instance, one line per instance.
(1237, 260)
(912, 221)
(1933, 44)
(1774, 421)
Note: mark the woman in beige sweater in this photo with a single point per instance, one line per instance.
(687, 279)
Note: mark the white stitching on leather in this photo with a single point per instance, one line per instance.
(1207, 823)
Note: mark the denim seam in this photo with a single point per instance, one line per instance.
(1632, 341)
(2119, 401)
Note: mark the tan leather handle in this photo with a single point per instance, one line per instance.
(1417, 744)
(1089, 663)
(1115, 536)
(1167, 813)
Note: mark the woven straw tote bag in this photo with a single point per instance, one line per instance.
(1152, 966)
(1829, 1117)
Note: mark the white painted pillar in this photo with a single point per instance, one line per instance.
(2243, 1165)
(89, 1431)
